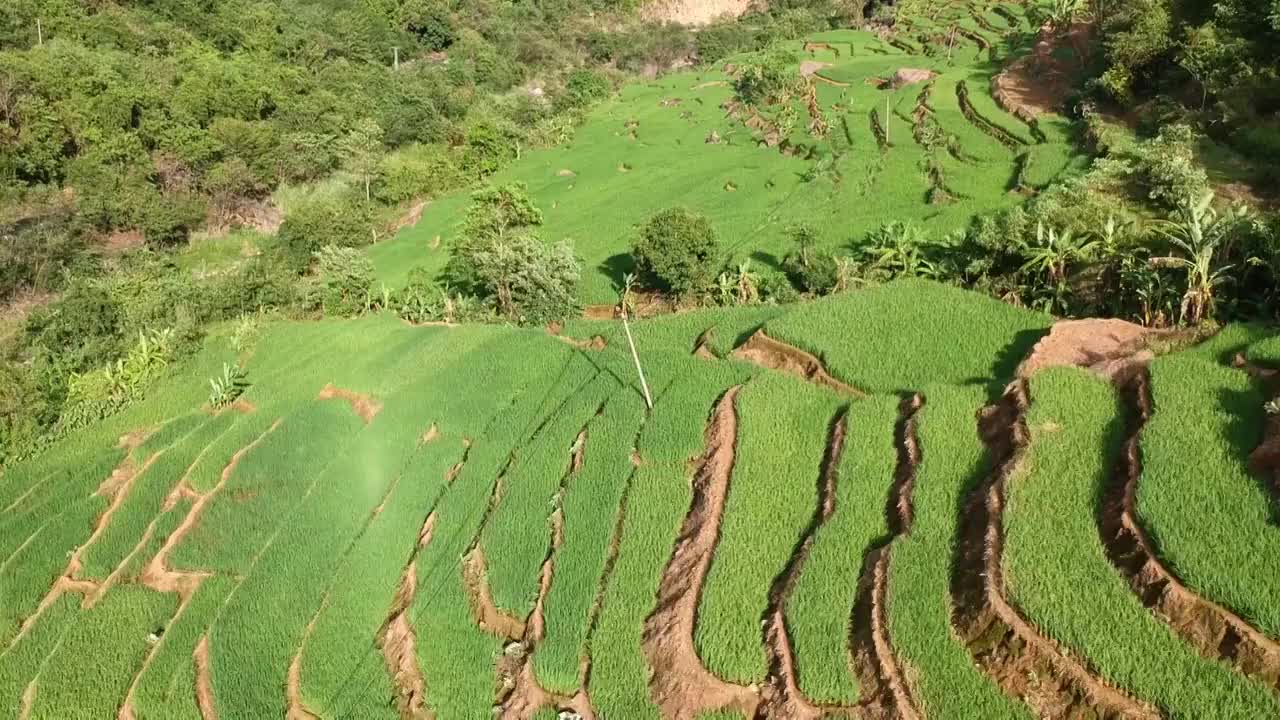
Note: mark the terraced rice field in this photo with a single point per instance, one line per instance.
(934, 153)
(469, 522)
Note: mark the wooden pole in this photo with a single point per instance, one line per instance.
(396, 51)
(626, 326)
(886, 120)
(39, 33)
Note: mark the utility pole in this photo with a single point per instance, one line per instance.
(396, 50)
(622, 306)
(39, 33)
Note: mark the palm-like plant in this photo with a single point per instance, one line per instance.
(1052, 252)
(898, 249)
(1202, 235)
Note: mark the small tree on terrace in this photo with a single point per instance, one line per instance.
(362, 152)
(498, 254)
(676, 249)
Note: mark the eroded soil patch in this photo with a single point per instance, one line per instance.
(764, 351)
(361, 404)
(680, 685)
(1026, 665)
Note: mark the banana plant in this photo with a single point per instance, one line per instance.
(1203, 237)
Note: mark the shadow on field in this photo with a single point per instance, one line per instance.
(1007, 360)
(767, 259)
(1243, 434)
(617, 267)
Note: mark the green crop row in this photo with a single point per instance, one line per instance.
(147, 496)
(1213, 523)
(360, 594)
(116, 633)
(517, 536)
(819, 611)
(592, 501)
(911, 333)
(1058, 573)
(918, 606)
(783, 428)
(657, 501)
(166, 688)
(266, 483)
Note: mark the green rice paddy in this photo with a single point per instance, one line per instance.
(486, 521)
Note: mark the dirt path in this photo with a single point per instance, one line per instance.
(1004, 645)
(681, 686)
(766, 352)
(1214, 631)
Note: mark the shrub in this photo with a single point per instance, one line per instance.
(425, 171)
(488, 150)
(1167, 167)
(529, 280)
(346, 276)
(812, 269)
(494, 212)
(316, 224)
(585, 87)
(38, 252)
(169, 220)
(765, 82)
(429, 22)
(677, 250)
(227, 387)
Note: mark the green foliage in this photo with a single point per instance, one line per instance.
(812, 269)
(416, 172)
(769, 81)
(677, 250)
(1166, 167)
(227, 387)
(499, 255)
(345, 278)
(586, 87)
(317, 224)
(38, 253)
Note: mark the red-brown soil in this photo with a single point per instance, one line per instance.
(204, 680)
(1039, 82)
(397, 641)
(1026, 665)
(1113, 349)
(1214, 631)
(680, 685)
(363, 405)
(769, 353)
(487, 615)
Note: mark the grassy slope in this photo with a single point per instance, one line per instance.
(641, 152)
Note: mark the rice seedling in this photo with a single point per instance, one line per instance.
(1057, 569)
(1213, 522)
(656, 504)
(783, 429)
(591, 504)
(819, 611)
(911, 333)
(919, 605)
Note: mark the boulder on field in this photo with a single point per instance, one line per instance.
(566, 172)
(910, 76)
(1113, 349)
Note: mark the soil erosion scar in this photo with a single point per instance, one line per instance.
(680, 685)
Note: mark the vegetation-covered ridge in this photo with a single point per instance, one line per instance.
(379, 538)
